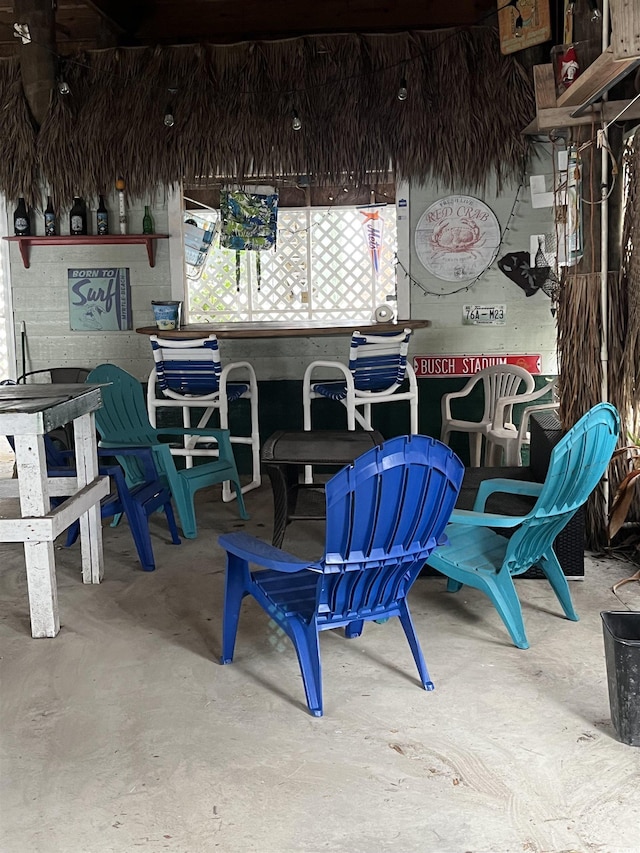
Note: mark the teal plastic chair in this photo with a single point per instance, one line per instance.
(122, 421)
(480, 557)
(385, 514)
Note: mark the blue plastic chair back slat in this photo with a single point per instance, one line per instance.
(482, 558)
(385, 514)
(376, 364)
(137, 503)
(188, 370)
(576, 466)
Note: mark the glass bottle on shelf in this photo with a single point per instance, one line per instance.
(102, 218)
(78, 217)
(21, 222)
(147, 221)
(49, 219)
(122, 209)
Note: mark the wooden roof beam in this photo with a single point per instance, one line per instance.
(38, 56)
(122, 18)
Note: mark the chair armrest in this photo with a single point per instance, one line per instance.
(507, 402)
(523, 430)
(256, 551)
(221, 436)
(236, 365)
(335, 365)
(484, 519)
(445, 402)
(410, 374)
(513, 487)
(214, 432)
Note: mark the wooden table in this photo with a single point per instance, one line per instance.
(27, 412)
(287, 451)
(308, 329)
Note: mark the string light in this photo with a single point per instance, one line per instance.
(63, 87)
(402, 91)
(296, 123)
(169, 120)
(22, 31)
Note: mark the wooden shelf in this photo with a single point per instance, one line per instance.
(25, 243)
(568, 110)
(595, 80)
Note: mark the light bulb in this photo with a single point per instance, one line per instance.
(169, 120)
(296, 124)
(63, 87)
(518, 27)
(402, 91)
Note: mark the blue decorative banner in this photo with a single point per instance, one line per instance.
(99, 299)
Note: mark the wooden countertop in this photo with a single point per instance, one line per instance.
(278, 329)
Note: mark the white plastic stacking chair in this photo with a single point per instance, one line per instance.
(188, 374)
(505, 440)
(501, 380)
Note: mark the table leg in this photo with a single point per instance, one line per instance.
(31, 465)
(90, 524)
(279, 488)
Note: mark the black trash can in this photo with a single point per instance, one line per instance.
(622, 652)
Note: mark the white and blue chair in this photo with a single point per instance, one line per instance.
(189, 374)
(377, 368)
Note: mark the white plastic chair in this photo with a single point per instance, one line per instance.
(188, 374)
(505, 440)
(500, 380)
(377, 368)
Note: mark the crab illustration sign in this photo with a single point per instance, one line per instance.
(457, 238)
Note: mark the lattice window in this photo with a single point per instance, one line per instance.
(321, 269)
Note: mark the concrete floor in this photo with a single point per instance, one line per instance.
(124, 733)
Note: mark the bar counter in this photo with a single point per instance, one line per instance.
(278, 329)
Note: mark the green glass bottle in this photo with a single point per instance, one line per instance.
(147, 222)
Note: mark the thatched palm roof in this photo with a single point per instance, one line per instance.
(232, 105)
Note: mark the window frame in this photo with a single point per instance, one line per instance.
(176, 248)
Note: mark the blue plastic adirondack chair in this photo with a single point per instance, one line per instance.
(122, 421)
(136, 503)
(385, 514)
(482, 558)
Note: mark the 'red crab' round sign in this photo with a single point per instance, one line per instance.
(457, 238)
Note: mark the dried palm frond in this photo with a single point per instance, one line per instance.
(232, 104)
